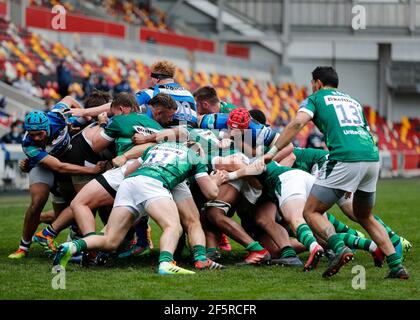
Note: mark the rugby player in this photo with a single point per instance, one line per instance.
(311, 160)
(82, 153)
(289, 188)
(146, 190)
(208, 101)
(103, 190)
(218, 212)
(46, 139)
(162, 79)
(352, 168)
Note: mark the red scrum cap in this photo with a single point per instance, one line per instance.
(239, 118)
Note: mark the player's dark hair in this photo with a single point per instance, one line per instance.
(206, 93)
(258, 115)
(96, 98)
(127, 100)
(327, 75)
(163, 100)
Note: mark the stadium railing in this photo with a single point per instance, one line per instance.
(396, 163)
(19, 103)
(327, 14)
(11, 178)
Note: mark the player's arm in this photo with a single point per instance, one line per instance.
(284, 153)
(288, 161)
(254, 169)
(288, 134)
(174, 134)
(134, 153)
(104, 134)
(209, 185)
(213, 121)
(143, 97)
(71, 102)
(56, 165)
(99, 141)
(228, 163)
(234, 163)
(133, 167)
(91, 112)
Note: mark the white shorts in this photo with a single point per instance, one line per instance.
(137, 193)
(115, 176)
(181, 192)
(250, 193)
(295, 184)
(349, 176)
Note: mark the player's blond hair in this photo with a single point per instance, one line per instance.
(164, 67)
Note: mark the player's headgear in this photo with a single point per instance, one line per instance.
(37, 121)
(239, 118)
(160, 76)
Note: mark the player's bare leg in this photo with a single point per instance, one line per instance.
(362, 208)
(92, 196)
(400, 244)
(292, 211)
(212, 238)
(47, 216)
(313, 214)
(277, 238)
(46, 237)
(190, 220)
(217, 216)
(165, 213)
(39, 193)
(119, 223)
(225, 224)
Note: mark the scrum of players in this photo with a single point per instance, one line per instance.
(189, 162)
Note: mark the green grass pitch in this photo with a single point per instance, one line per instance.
(397, 204)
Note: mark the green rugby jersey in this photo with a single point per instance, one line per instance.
(171, 163)
(307, 158)
(123, 127)
(340, 118)
(207, 140)
(226, 107)
(270, 179)
(210, 144)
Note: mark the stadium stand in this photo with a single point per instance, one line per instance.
(131, 11)
(23, 52)
(138, 13)
(112, 18)
(68, 4)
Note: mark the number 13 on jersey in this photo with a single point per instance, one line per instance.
(349, 112)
